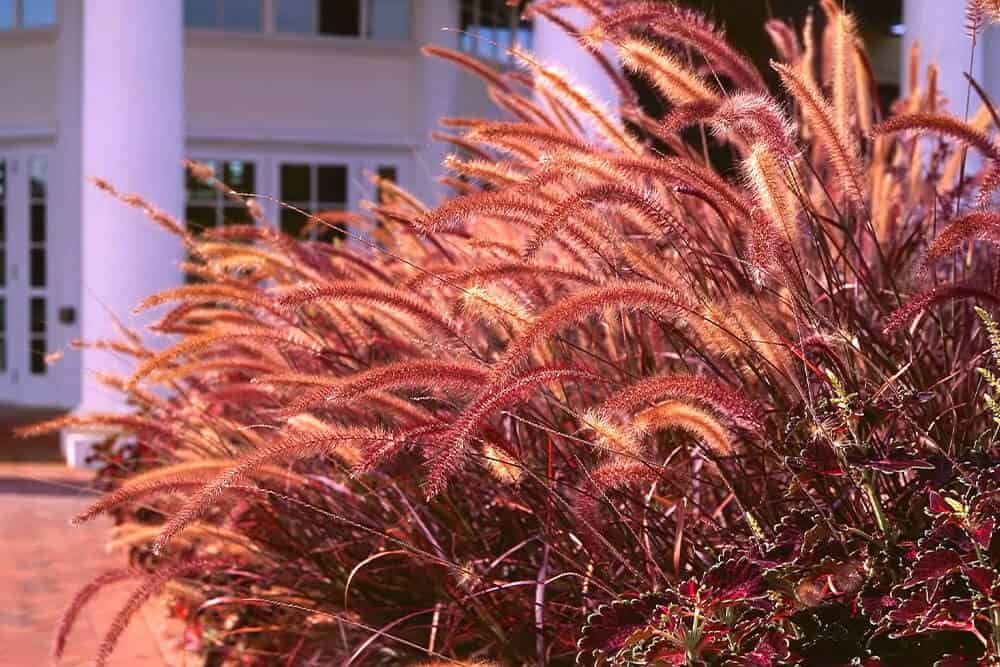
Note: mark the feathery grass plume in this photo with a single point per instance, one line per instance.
(689, 28)
(955, 128)
(674, 80)
(98, 422)
(383, 297)
(470, 64)
(785, 39)
(771, 191)
(699, 423)
(230, 295)
(82, 598)
(612, 438)
(975, 226)
(759, 121)
(283, 338)
(170, 478)
(450, 452)
(657, 219)
(841, 149)
(989, 184)
(597, 422)
(979, 14)
(921, 303)
(150, 586)
(559, 83)
(504, 467)
(458, 378)
(496, 307)
(627, 295)
(840, 32)
(723, 400)
(291, 445)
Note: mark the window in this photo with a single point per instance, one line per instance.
(313, 188)
(375, 19)
(236, 15)
(27, 13)
(208, 207)
(490, 27)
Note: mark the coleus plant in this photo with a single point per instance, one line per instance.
(690, 389)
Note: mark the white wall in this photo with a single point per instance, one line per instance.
(29, 92)
(328, 89)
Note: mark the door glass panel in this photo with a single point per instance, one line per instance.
(3, 334)
(3, 223)
(37, 261)
(339, 17)
(38, 175)
(37, 331)
(3, 264)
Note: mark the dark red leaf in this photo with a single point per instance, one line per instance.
(733, 580)
(980, 578)
(933, 565)
(983, 532)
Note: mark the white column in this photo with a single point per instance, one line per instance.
(132, 135)
(553, 46)
(939, 27)
(991, 61)
(435, 22)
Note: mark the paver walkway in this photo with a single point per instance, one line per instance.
(44, 561)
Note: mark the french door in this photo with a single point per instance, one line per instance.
(29, 333)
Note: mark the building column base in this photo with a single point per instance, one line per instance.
(77, 446)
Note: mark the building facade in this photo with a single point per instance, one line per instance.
(290, 99)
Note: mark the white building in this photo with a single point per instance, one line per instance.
(293, 99)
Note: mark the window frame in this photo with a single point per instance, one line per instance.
(219, 203)
(268, 28)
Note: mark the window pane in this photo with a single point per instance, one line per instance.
(292, 222)
(38, 267)
(38, 356)
(3, 222)
(201, 13)
(6, 14)
(37, 315)
(3, 174)
(296, 15)
(236, 215)
(386, 173)
(38, 223)
(37, 167)
(339, 17)
(332, 184)
(239, 175)
(241, 14)
(38, 13)
(3, 267)
(199, 189)
(295, 183)
(200, 218)
(389, 19)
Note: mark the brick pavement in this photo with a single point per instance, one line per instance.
(44, 561)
